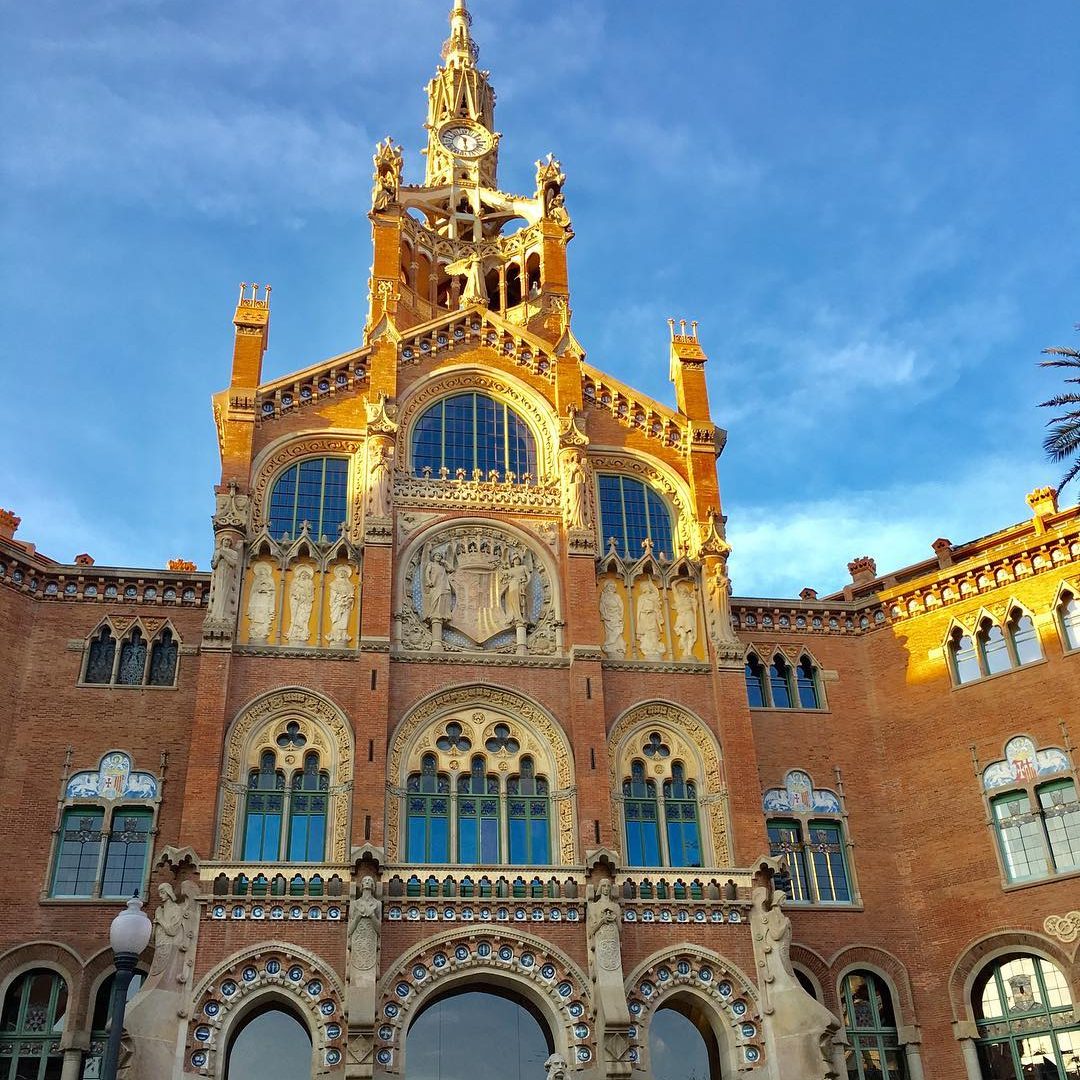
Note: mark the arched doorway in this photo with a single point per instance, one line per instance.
(271, 1044)
(473, 1034)
(682, 1045)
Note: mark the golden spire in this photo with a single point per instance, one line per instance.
(460, 50)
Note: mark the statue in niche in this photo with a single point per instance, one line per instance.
(613, 616)
(719, 589)
(575, 479)
(685, 618)
(365, 924)
(342, 600)
(438, 593)
(262, 601)
(301, 601)
(605, 954)
(650, 621)
(224, 565)
(514, 589)
(379, 481)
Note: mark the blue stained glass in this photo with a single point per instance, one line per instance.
(632, 512)
(755, 683)
(314, 491)
(642, 818)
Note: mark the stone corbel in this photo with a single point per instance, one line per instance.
(232, 509)
(381, 416)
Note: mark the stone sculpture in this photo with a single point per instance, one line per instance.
(650, 621)
(605, 955)
(379, 480)
(224, 565)
(613, 616)
(301, 601)
(574, 480)
(686, 628)
(342, 600)
(262, 602)
(514, 590)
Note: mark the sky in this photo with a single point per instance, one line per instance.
(870, 208)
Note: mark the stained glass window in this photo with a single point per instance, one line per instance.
(785, 842)
(528, 817)
(830, 868)
(1061, 817)
(873, 1052)
(263, 811)
(642, 818)
(807, 684)
(132, 659)
(1021, 836)
(1026, 1021)
(755, 682)
(780, 683)
(126, 853)
(163, 660)
(473, 432)
(681, 818)
(631, 512)
(428, 815)
(315, 491)
(33, 1021)
(307, 812)
(99, 662)
(78, 855)
(478, 815)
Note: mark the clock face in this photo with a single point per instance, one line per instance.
(465, 140)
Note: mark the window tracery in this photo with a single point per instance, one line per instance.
(994, 647)
(632, 512)
(1033, 804)
(131, 653)
(782, 684)
(1068, 620)
(315, 491)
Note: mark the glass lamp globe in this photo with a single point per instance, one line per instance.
(130, 930)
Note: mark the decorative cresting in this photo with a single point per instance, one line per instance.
(478, 587)
(441, 724)
(708, 975)
(277, 722)
(687, 740)
(672, 487)
(476, 955)
(272, 969)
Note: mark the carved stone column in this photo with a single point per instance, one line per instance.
(966, 1033)
(226, 565)
(365, 927)
(603, 919)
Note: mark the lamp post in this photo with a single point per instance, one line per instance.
(129, 934)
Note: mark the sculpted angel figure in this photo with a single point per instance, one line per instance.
(438, 591)
(169, 932)
(224, 564)
(685, 618)
(262, 600)
(514, 589)
(342, 599)
(575, 494)
(379, 481)
(613, 616)
(301, 601)
(650, 621)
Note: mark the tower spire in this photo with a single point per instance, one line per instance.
(459, 49)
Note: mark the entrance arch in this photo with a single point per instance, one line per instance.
(272, 1043)
(682, 1043)
(444, 1035)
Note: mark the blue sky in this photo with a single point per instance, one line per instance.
(869, 207)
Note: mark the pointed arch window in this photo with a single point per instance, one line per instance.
(264, 810)
(963, 657)
(780, 683)
(428, 829)
(163, 656)
(681, 818)
(755, 683)
(1068, 613)
(132, 659)
(471, 432)
(633, 512)
(642, 818)
(528, 811)
(307, 811)
(873, 1051)
(315, 491)
(35, 1008)
(806, 680)
(993, 648)
(478, 815)
(1023, 638)
(100, 657)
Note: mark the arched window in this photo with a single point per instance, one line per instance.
(272, 1044)
(471, 432)
(100, 656)
(806, 983)
(35, 1007)
(1068, 613)
(478, 815)
(163, 660)
(681, 1044)
(1023, 638)
(307, 811)
(642, 818)
(964, 658)
(681, 819)
(993, 648)
(631, 512)
(99, 1033)
(528, 811)
(428, 831)
(806, 678)
(1027, 1026)
(780, 683)
(263, 811)
(132, 660)
(755, 683)
(315, 491)
(873, 1052)
(1039, 836)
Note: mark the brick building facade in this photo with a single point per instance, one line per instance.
(464, 701)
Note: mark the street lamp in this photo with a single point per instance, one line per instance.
(129, 934)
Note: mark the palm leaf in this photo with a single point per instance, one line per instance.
(1061, 399)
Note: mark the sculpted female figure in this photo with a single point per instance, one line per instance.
(262, 600)
(342, 599)
(613, 616)
(650, 621)
(301, 601)
(224, 564)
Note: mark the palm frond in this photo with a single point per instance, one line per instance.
(1061, 399)
(1062, 442)
(1064, 358)
(1070, 474)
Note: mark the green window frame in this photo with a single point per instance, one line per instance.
(815, 851)
(35, 1008)
(427, 798)
(478, 818)
(528, 817)
(78, 852)
(264, 811)
(786, 843)
(127, 852)
(314, 490)
(641, 819)
(832, 881)
(1061, 818)
(874, 1051)
(681, 819)
(307, 808)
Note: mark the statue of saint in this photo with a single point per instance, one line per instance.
(650, 621)
(719, 589)
(365, 924)
(437, 589)
(514, 590)
(262, 602)
(342, 600)
(301, 601)
(602, 918)
(379, 481)
(225, 565)
(686, 627)
(575, 494)
(613, 616)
